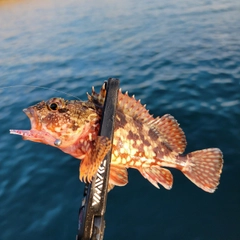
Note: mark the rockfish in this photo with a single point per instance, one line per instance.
(140, 141)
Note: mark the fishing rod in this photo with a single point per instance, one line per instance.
(91, 221)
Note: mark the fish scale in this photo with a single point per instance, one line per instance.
(140, 141)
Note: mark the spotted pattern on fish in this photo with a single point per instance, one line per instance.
(140, 141)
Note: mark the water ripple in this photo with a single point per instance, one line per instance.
(182, 59)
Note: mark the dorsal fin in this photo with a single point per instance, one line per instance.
(133, 108)
(98, 98)
(167, 128)
(126, 104)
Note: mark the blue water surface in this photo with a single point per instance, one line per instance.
(179, 57)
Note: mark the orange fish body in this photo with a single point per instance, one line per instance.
(140, 141)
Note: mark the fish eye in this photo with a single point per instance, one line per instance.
(53, 106)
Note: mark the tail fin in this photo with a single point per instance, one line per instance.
(204, 167)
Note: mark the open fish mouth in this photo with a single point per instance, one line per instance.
(35, 132)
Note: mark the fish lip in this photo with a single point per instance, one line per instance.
(32, 115)
(28, 112)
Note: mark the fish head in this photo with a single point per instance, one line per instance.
(59, 122)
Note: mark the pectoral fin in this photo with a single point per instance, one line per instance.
(93, 158)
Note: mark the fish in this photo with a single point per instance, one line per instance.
(141, 141)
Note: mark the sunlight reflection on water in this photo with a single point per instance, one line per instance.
(179, 58)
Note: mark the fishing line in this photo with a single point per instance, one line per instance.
(46, 88)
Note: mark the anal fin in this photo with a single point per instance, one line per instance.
(118, 176)
(90, 164)
(156, 174)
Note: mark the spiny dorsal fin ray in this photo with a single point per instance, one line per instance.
(166, 127)
(98, 98)
(133, 108)
(127, 105)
